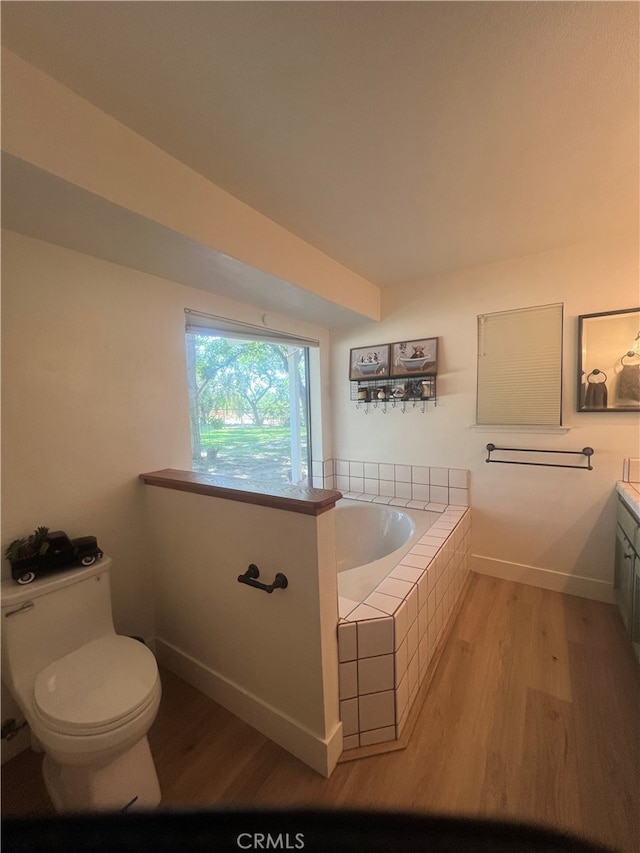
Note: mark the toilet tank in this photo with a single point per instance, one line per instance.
(50, 617)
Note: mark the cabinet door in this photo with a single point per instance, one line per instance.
(627, 521)
(635, 612)
(623, 576)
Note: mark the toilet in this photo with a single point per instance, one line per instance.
(88, 694)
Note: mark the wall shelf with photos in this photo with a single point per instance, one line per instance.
(399, 376)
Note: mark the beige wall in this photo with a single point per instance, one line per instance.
(270, 659)
(527, 521)
(94, 393)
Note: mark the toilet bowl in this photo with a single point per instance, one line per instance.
(88, 694)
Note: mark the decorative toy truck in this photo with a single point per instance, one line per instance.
(45, 551)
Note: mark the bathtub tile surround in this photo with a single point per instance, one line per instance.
(376, 711)
(345, 606)
(374, 675)
(407, 573)
(402, 473)
(378, 480)
(395, 587)
(386, 603)
(347, 642)
(420, 475)
(349, 717)
(348, 680)
(400, 624)
(399, 627)
(375, 635)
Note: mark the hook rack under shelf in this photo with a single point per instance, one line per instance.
(390, 393)
(586, 451)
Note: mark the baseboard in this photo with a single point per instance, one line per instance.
(544, 578)
(321, 754)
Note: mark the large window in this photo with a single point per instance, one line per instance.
(249, 402)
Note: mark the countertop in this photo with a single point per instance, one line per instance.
(630, 494)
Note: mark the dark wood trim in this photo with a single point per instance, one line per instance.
(308, 501)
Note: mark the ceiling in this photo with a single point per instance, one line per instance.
(403, 139)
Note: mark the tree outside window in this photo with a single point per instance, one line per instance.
(249, 409)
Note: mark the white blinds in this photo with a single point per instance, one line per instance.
(520, 366)
(209, 324)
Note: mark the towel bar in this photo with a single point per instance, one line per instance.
(586, 451)
(249, 577)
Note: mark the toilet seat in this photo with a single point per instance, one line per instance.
(97, 688)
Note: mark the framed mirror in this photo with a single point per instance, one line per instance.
(609, 361)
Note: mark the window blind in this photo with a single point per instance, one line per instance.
(520, 366)
(209, 324)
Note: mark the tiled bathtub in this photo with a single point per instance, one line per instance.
(387, 642)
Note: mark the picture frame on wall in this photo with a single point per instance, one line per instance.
(369, 362)
(609, 361)
(412, 358)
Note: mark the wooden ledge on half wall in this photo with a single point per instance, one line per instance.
(303, 499)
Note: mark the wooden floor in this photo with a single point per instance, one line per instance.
(533, 714)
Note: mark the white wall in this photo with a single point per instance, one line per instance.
(527, 521)
(270, 659)
(94, 393)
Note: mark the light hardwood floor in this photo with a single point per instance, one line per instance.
(533, 714)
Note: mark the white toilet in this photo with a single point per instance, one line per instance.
(88, 694)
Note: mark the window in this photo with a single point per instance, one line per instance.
(520, 367)
(249, 401)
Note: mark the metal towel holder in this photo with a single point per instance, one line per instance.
(586, 451)
(249, 577)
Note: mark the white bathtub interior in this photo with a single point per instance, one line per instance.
(371, 540)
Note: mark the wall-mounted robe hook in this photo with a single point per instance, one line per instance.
(249, 577)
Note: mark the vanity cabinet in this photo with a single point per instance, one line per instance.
(626, 580)
(635, 623)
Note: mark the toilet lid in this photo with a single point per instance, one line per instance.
(98, 684)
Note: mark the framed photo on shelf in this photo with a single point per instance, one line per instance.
(369, 362)
(410, 358)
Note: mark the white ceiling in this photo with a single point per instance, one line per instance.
(403, 139)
